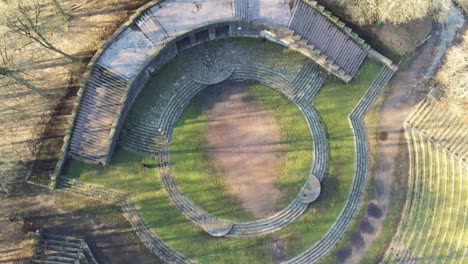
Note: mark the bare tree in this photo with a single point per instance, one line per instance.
(395, 11)
(453, 74)
(25, 19)
(11, 75)
(60, 10)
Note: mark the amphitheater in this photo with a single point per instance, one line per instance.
(114, 110)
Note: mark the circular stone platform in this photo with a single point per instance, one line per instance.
(311, 191)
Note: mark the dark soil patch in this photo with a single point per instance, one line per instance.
(343, 254)
(374, 211)
(383, 135)
(280, 253)
(356, 240)
(365, 226)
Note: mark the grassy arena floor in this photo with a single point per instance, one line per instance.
(196, 175)
(202, 181)
(334, 103)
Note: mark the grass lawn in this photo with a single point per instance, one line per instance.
(203, 182)
(372, 121)
(197, 176)
(334, 103)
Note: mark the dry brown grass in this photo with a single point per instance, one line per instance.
(32, 128)
(452, 76)
(463, 4)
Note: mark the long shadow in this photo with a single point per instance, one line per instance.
(111, 240)
(49, 150)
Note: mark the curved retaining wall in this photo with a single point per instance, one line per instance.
(281, 219)
(148, 51)
(312, 254)
(156, 28)
(333, 235)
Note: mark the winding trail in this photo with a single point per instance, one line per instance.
(406, 90)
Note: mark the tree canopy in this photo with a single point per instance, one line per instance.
(395, 11)
(453, 74)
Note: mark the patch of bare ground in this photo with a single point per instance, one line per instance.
(244, 140)
(404, 38)
(31, 127)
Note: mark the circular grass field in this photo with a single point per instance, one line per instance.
(202, 181)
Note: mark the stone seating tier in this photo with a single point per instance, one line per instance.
(59, 249)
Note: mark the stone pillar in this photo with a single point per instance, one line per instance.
(212, 33)
(193, 40)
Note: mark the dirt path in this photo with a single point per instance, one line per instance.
(245, 141)
(406, 90)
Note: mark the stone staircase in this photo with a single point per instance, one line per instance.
(308, 82)
(434, 217)
(152, 136)
(104, 97)
(94, 191)
(319, 165)
(176, 105)
(443, 124)
(264, 75)
(107, 195)
(59, 249)
(316, 30)
(151, 27)
(241, 8)
(143, 137)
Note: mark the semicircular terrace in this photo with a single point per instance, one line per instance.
(433, 224)
(160, 30)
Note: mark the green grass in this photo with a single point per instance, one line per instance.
(372, 120)
(125, 173)
(202, 180)
(334, 103)
(196, 174)
(295, 134)
(444, 214)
